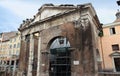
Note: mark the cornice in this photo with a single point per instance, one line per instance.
(111, 24)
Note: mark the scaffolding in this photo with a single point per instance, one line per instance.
(60, 62)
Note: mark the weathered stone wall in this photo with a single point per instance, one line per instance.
(51, 23)
(80, 30)
(81, 39)
(65, 30)
(23, 58)
(48, 36)
(35, 58)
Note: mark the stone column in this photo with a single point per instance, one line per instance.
(39, 56)
(20, 71)
(9, 65)
(14, 68)
(31, 50)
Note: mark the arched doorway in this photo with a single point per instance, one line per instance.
(60, 57)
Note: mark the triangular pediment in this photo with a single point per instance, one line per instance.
(48, 10)
(52, 13)
(115, 54)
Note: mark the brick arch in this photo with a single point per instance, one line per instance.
(51, 41)
(50, 34)
(65, 30)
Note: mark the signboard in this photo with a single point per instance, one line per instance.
(76, 62)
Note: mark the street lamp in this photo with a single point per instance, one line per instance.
(118, 2)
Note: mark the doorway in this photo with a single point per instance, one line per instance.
(60, 58)
(60, 62)
(117, 64)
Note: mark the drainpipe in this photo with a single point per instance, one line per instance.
(102, 52)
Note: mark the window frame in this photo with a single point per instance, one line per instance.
(115, 47)
(112, 31)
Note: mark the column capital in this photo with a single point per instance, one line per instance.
(37, 34)
(22, 37)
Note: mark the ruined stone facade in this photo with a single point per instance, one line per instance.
(79, 25)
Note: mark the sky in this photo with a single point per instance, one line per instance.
(13, 12)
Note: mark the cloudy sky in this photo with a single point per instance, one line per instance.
(12, 12)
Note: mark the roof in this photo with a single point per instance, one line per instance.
(111, 24)
(7, 35)
(69, 8)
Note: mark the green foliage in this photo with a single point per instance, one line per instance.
(100, 33)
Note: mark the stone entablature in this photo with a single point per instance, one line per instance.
(60, 18)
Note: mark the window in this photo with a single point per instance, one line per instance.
(10, 46)
(10, 52)
(14, 45)
(10, 40)
(115, 47)
(18, 45)
(17, 52)
(14, 39)
(112, 31)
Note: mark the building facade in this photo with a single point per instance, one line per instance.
(4, 55)
(61, 40)
(14, 50)
(110, 46)
(9, 55)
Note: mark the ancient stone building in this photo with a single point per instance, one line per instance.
(61, 40)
